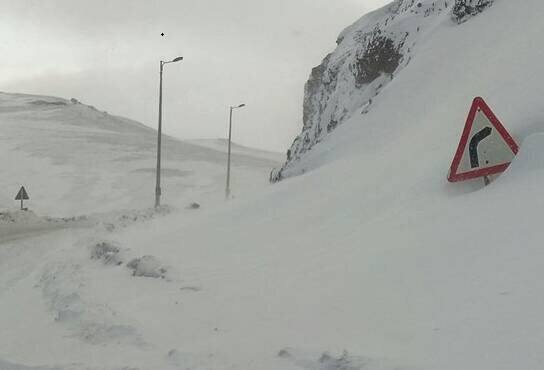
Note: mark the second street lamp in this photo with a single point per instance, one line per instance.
(227, 189)
(159, 137)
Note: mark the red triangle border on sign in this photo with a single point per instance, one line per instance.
(479, 103)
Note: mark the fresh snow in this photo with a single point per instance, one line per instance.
(369, 261)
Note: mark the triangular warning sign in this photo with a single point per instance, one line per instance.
(486, 148)
(22, 194)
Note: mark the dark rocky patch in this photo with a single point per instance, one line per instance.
(464, 9)
(106, 252)
(380, 56)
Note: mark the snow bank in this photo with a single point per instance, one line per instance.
(18, 217)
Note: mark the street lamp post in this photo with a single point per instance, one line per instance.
(227, 189)
(159, 137)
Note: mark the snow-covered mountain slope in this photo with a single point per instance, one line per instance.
(74, 159)
(370, 54)
(372, 252)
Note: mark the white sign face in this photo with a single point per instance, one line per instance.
(486, 148)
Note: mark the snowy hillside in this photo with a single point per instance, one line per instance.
(370, 54)
(369, 261)
(75, 159)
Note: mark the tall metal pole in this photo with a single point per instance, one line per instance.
(159, 137)
(227, 190)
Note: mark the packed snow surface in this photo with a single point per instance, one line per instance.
(369, 261)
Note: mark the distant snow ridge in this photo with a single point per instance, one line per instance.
(368, 56)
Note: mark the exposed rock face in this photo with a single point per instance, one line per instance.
(463, 9)
(370, 53)
(381, 56)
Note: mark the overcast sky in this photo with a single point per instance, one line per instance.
(106, 53)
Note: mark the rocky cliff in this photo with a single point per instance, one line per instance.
(369, 54)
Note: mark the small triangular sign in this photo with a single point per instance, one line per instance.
(22, 194)
(485, 149)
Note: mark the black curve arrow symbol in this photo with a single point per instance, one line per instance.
(473, 146)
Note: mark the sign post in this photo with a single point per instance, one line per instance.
(485, 148)
(22, 195)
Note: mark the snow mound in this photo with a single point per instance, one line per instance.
(20, 217)
(94, 323)
(147, 266)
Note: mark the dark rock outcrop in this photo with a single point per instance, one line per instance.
(463, 9)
